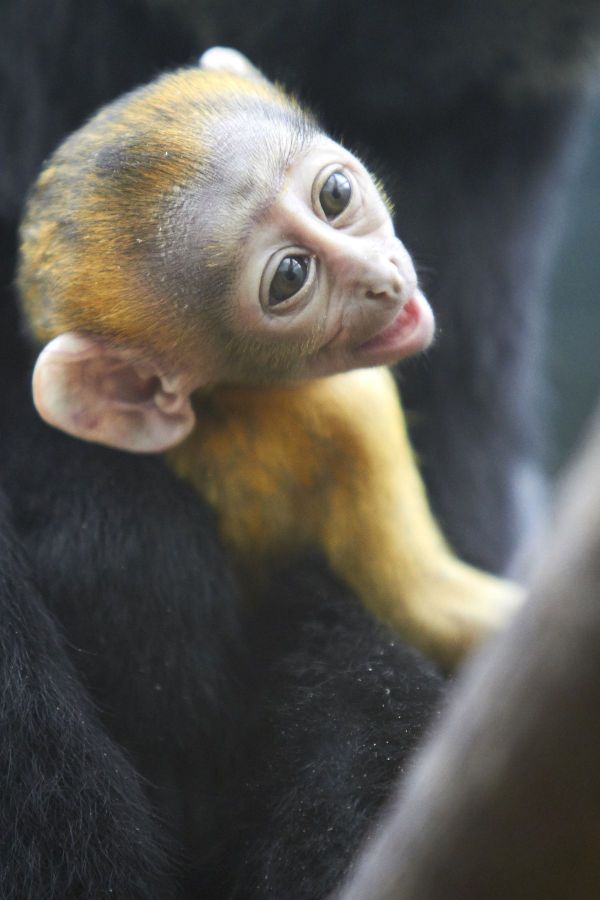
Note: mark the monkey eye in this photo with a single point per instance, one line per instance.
(289, 277)
(335, 195)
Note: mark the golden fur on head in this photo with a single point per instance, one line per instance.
(198, 155)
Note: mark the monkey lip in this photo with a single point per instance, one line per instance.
(409, 331)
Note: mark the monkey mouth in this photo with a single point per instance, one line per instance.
(410, 331)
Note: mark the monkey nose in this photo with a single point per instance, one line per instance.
(377, 270)
(384, 281)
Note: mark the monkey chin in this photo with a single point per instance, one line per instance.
(409, 332)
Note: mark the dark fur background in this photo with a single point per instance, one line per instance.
(157, 740)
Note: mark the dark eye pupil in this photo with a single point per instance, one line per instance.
(288, 279)
(335, 195)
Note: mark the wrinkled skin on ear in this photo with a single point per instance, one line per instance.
(96, 392)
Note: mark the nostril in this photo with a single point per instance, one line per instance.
(382, 279)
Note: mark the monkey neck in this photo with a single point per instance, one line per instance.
(284, 466)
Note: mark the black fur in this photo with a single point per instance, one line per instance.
(74, 818)
(222, 712)
(161, 740)
(127, 561)
(339, 703)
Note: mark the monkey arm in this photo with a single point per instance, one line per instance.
(329, 464)
(382, 539)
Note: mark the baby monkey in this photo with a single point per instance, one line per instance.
(205, 268)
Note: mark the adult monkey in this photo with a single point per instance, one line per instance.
(294, 847)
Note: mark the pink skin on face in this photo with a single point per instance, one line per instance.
(361, 290)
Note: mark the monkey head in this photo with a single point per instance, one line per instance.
(203, 230)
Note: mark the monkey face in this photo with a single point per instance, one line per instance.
(213, 235)
(324, 271)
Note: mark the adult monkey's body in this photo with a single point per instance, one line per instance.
(197, 252)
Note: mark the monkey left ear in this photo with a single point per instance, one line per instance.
(100, 393)
(225, 59)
